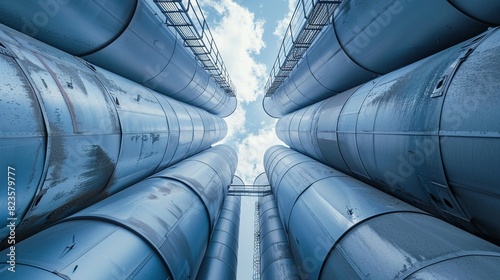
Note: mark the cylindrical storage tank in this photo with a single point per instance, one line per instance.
(204, 173)
(163, 222)
(77, 27)
(361, 232)
(370, 38)
(277, 262)
(82, 133)
(221, 257)
(105, 33)
(428, 133)
(79, 150)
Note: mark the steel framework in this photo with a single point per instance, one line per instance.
(187, 18)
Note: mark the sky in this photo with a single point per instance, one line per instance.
(248, 34)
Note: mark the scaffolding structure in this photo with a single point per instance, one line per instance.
(187, 18)
(256, 244)
(307, 21)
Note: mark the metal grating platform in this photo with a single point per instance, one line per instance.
(308, 19)
(187, 18)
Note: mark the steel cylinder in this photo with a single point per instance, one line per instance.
(427, 133)
(158, 228)
(367, 39)
(127, 38)
(341, 228)
(76, 133)
(277, 261)
(221, 257)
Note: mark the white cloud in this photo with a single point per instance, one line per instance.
(283, 23)
(235, 124)
(238, 35)
(251, 152)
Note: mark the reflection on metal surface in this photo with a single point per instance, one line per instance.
(359, 230)
(221, 257)
(277, 262)
(366, 39)
(82, 133)
(105, 34)
(437, 152)
(163, 222)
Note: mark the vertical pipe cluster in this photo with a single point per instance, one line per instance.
(276, 257)
(370, 38)
(341, 228)
(127, 38)
(76, 133)
(158, 228)
(427, 133)
(221, 257)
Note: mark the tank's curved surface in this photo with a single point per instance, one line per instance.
(221, 257)
(125, 37)
(369, 38)
(361, 232)
(158, 228)
(75, 133)
(427, 133)
(277, 262)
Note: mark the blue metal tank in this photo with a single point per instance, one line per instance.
(370, 38)
(76, 133)
(427, 133)
(125, 37)
(277, 262)
(341, 228)
(158, 228)
(221, 257)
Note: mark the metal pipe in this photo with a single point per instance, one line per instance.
(341, 228)
(76, 133)
(427, 133)
(157, 229)
(277, 262)
(221, 257)
(369, 38)
(104, 33)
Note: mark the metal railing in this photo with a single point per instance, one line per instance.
(187, 18)
(249, 190)
(307, 21)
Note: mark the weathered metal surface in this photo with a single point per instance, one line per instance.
(163, 222)
(341, 228)
(366, 39)
(84, 133)
(427, 133)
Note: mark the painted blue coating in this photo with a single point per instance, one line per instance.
(83, 133)
(106, 32)
(277, 262)
(369, 38)
(427, 133)
(221, 257)
(158, 228)
(362, 232)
